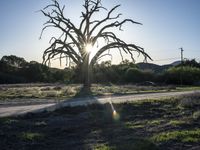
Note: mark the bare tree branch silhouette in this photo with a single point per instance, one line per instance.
(74, 39)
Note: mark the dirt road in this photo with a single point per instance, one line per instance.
(14, 110)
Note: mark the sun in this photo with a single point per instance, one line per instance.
(88, 47)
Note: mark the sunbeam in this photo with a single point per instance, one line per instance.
(115, 115)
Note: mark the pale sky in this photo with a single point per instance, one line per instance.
(167, 26)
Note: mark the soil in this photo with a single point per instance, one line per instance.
(95, 127)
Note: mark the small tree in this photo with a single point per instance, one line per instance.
(76, 40)
(14, 61)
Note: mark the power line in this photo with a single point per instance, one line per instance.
(166, 59)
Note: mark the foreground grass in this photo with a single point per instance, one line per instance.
(147, 125)
(184, 136)
(25, 92)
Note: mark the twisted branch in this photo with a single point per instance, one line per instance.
(71, 43)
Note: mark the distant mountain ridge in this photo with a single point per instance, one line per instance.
(156, 68)
(176, 63)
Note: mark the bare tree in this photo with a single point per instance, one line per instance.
(75, 40)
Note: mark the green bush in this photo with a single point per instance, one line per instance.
(185, 75)
(133, 75)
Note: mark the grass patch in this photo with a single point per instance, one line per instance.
(136, 145)
(196, 115)
(40, 123)
(190, 101)
(182, 136)
(8, 121)
(52, 91)
(133, 125)
(155, 122)
(176, 122)
(103, 147)
(31, 136)
(149, 124)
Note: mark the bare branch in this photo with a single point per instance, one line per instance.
(71, 44)
(114, 24)
(126, 47)
(55, 21)
(104, 56)
(64, 49)
(107, 18)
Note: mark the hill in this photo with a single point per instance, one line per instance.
(156, 68)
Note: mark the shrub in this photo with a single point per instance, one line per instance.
(190, 100)
(187, 75)
(196, 115)
(133, 75)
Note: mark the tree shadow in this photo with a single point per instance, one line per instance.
(81, 127)
(84, 92)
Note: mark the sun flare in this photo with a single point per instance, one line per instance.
(116, 116)
(88, 47)
(114, 113)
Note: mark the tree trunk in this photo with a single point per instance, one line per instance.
(86, 70)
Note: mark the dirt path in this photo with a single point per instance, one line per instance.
(14, 110)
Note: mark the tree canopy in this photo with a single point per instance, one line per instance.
(75, 39)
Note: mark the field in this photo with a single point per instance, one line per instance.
(33, 93)
(165, 124)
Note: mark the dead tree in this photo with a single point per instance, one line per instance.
(75, 39)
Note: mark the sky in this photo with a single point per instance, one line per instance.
(167, 26)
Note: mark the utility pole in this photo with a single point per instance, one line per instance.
(181, 78)
(181, 55)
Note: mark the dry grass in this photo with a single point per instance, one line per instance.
(191, 100)
(62, 92)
